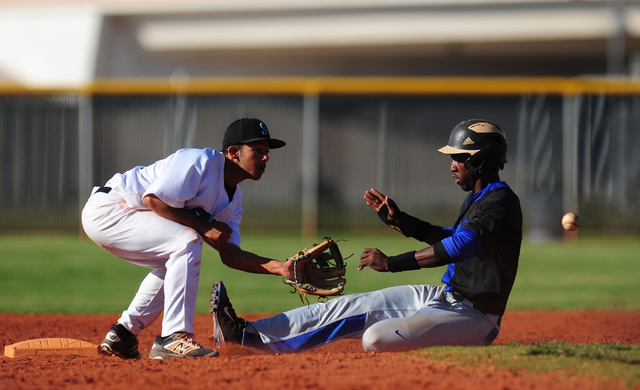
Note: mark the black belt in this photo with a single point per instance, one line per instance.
(106, 190)
(458, 296)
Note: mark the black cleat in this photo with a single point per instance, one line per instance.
(227, 327)
(121, 343)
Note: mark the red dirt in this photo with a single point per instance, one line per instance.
(337, 366)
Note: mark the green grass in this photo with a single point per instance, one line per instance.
(71, 274)
(609, 362)
(592, 273)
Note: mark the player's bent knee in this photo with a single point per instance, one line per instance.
(372, 340)
(186, 240)
(190, 236)
(369, 341)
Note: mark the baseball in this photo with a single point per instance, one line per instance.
(570, 221)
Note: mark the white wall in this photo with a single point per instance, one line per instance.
(49, 47)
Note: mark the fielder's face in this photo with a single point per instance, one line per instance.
(463, 178)
(253, 157)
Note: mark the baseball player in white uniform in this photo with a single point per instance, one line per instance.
(158, 217)
(480, 252)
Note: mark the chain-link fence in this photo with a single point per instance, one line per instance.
(566, 153)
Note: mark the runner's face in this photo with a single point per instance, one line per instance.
(464, 179)
(253, 157)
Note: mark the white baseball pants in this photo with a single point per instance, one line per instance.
(393, 319)
(172, 251)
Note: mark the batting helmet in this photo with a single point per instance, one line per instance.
(484, 142)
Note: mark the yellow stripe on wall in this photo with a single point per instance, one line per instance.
(350, 86)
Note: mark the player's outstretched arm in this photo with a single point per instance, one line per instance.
(234, 257)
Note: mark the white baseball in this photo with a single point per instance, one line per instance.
(570, 222)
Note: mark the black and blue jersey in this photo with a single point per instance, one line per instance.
(482, 248)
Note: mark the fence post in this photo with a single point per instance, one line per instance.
(570, 112)
(382, 142)
(310, 164)
(85, 151)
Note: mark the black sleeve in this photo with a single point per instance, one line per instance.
(408, 225)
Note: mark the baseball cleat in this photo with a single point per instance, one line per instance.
(179, 345)
(121, 343)
(227, 327)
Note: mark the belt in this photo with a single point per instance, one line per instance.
(458, 296)
(106, 190)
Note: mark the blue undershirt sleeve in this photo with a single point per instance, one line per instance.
(463, 245)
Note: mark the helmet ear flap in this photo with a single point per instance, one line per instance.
(487, 160)
(471, 167)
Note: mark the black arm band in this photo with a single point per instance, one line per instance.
(442, 256)
(404, 262)
(405, 224)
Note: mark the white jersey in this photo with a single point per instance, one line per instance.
(188, 178)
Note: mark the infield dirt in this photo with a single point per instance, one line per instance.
(336, 366)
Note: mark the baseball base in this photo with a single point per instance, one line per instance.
(51, 346)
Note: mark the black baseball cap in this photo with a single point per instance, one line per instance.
(247, 130)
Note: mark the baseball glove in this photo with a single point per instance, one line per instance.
(318, 271)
